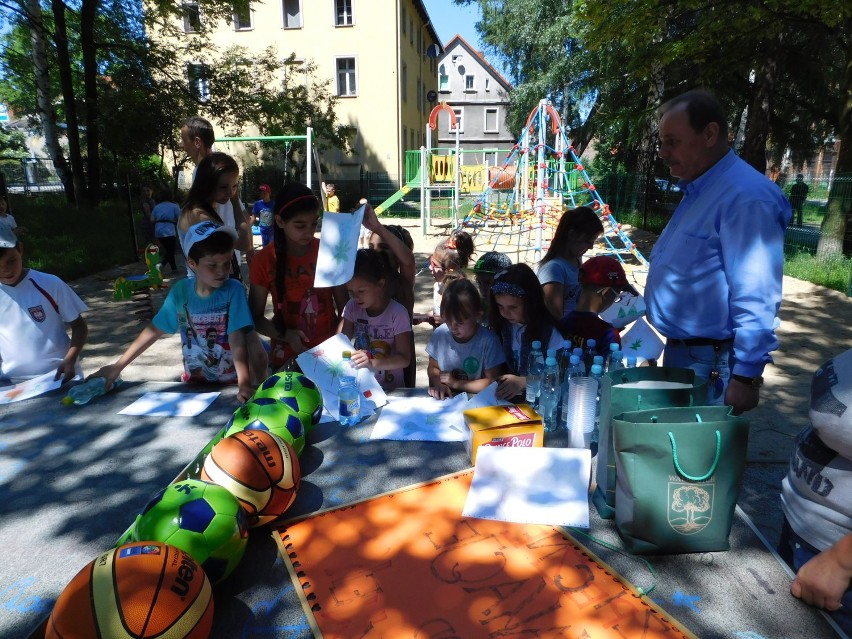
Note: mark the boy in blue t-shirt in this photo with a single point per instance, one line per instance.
(210, 309)
(264, 211)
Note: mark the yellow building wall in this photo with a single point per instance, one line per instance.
(380, 48)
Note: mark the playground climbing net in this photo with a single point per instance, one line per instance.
(540, 179)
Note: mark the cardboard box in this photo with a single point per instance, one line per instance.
(513, 425)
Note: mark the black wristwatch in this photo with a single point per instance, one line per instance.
(754, 382)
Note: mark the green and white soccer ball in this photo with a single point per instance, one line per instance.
(271, 415)
(297, 392)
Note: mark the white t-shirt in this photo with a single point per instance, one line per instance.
(383, 330)
(33, 336)
(8, 222)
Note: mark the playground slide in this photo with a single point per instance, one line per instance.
(393, 199)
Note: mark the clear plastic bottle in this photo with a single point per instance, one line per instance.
(631, 361)
(87, 391)
(362, 337)
(349, 394)
(574, 370)
(599, 360)
(550, 395)
(589, 353)
(614, 347)
(616, 361)
(564, 356)
(535, 367)
(579, 353)
(597, 373)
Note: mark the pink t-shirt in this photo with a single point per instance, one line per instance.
(383, 329)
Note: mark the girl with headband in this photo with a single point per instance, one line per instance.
(302, 315)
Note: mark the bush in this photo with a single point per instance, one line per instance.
(73, 242)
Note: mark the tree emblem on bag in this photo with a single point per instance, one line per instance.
(690, 507)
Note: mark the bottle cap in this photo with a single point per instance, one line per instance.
(613, 347)
(347, 354)
(592, 342)
(551, 353)
(597, 369)
(550, 361)
(597, 359)
(536, 345)
(574, 359)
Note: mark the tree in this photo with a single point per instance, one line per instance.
(13, 145)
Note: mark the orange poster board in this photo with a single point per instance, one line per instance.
(407, 564)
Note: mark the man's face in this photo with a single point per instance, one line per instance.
(686, 152)
(193, 147)
(211, 338)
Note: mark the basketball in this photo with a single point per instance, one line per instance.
(297, 392)
(266, 413)
(201, 518)
(138, 590)
(258, 468)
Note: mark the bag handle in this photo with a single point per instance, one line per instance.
(680, 470)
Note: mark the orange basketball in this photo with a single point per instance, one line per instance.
(260, 469)
(138, 590)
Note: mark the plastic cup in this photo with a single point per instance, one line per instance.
(582, 403)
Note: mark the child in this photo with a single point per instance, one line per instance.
(263, 211)
(210, 304)
(331, 199)
(603, 281)
(486, 268)
(303, 316)
(165, 217)
(35, 308)
(463, 354)
(519, 317)
(449, 258)
(558, 271)
(6, 219)
(388, 324)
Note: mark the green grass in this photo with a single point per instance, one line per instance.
(832, 272)
(73, 242)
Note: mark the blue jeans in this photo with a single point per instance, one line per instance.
(266, 235)
(703, 360)
(796, 552)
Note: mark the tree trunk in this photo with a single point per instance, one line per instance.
(47, 114)
(757, 125)
(63, 60)
(839, 209)
(88, 14)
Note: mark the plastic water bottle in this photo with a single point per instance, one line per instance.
(597, 373)
(564, 357)
(589, 353)
(599, 361)
(578, 352)
(616, 361)
(87, 391)
(550, 395)
(574, 370)
(535, 367)
(349, 394)
(362, 338)
(631, 361)
(613, 348)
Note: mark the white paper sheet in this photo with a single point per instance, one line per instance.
(170, 404)
(628, 309)
(338, 245)
(642, 342)
(486, 397)
(531, 486)
(422, 419)
(29, 388)
(321, 364)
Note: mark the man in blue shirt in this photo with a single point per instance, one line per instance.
(714, 283)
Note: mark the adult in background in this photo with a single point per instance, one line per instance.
(714, 283)
(165, 217)
(798, 195)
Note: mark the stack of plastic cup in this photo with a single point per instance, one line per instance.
(582, 399)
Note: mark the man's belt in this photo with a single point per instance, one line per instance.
(702, 341)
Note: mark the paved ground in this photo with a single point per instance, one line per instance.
(814, 326)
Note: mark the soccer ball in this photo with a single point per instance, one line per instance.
(200, 518)
(296, 391)
(266, 413)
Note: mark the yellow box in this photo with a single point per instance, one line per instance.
(514, 425)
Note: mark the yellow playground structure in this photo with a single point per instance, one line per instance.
(513, 206)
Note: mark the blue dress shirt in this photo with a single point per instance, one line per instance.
(717, 268)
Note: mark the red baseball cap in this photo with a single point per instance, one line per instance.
(264, 187)
(605, 271)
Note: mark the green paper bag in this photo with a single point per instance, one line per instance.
(678, 475)
(631, 389)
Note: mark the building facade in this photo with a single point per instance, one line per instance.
(479, 95)
(381, 56)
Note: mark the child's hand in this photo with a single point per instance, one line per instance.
(245, 392)
(446, 379)
(371, 220)
(440, 391)
(362, 359)
(65, 370)
(508, 386)
(110, 373)
(296, 339)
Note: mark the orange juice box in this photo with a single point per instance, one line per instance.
(512, 425)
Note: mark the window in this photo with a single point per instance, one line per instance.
(457, 59)
(191, 17)
(343, 16)
(443, 79)
(487, 84)
(404, 82)
(346, 85)
(199, 84)
(491, 120)
(242, 18)
(459, 121)
(469, 83)
(292, 14)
